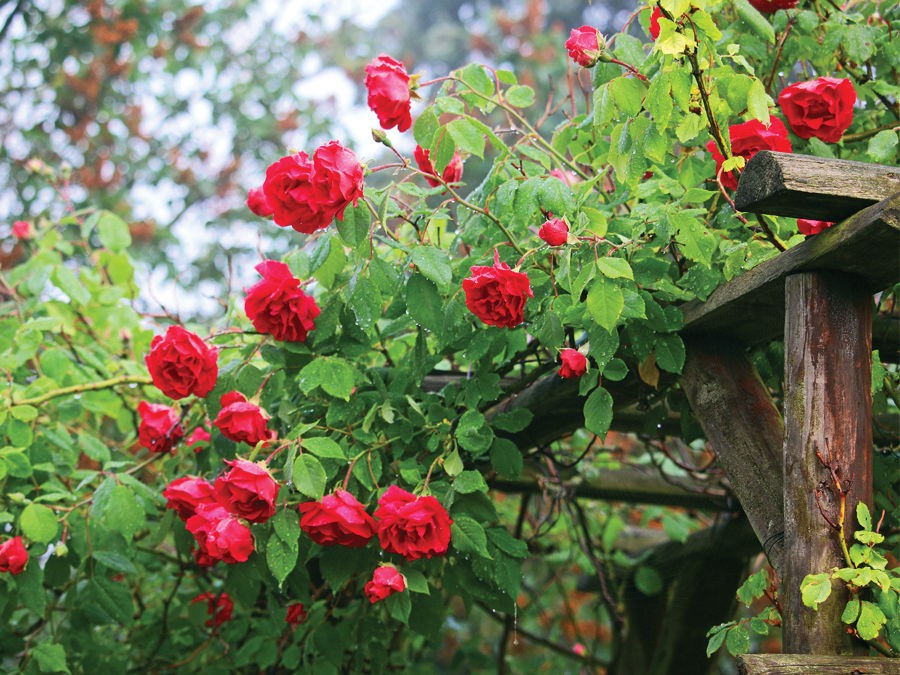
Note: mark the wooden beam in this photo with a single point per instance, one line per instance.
(746, 431)
(827, 446)
(802, 186)
(804, 664)
(750, 308)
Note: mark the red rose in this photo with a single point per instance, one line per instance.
(185, 494)
(566, 176)
(747, 139)
(308, 195)
(452, 172)
(199, 437)
(574, 363)
(13, 556)
(202, 558)
(181, 364)
(554, 231)
(242, 421)
(497, 294)
(338, 519)
(585, 45)
(259, 203)
(160, 429)
(809, 227)
(654, 22)
(219, 534)
(414, 527)
(218, 605)
(386, 580)
(389, 95)
(296, 614)
(772, 6)
(277, 306)
(22, 229)
(822, 107)
(247, 490)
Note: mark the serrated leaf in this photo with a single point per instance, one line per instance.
(50, 657)
(425, 127)
(123, 512)
(468, 536)
(321, 446)
(605, 302)
(863, 517)
(615, 268)
(758, 101)
(334, 375)
(815, 589)
(882, 146)
(38, 523)
(598, 411)
(670, 353)
(113, 231)
(434, 264)
(309, 476)
(469, 481)
(453, 464)
(520, 96)
(506, 458)
(424, 304)
(281, 557)
(738, 641)
(716, 639)
(466, 136)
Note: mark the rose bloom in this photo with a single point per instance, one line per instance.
(247, 490)
(22, 229)
(821, 108)
(585, 45)
(452, 172)
(242, 421)
(414, 527)
(159, 429)
(296, 614)
(747, 139)
(338, 519)
(202, 558)
(13, 556)
(185, 494)
(218, 605)
(307, 195)
(772, 6)
(809, 227)
(389, 94)
(277, 306)
(181, 364)
(258, 203)
(219, 534)
(199, 437)
(386, 580)
(497, 294)
(574, 363)
(554, 231)
(654, 22)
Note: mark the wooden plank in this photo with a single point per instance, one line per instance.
(827, 446)
(802, 186)
(750, 308)
(746, 431)
(804, 664)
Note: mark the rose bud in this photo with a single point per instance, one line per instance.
(747, 139)
(337, 519)
(276, 305)
(810, 227)
(199, 437)
(13, 556)
(414, 527)
(160, 428)
(574, 363)
(497, 294)
(386, 580)
(387, 83)
(219, 534)
(218, 605)
(181, 364)
(242, 421)
(452, 173)
(554, 231)
(247, 490)
(258, 203)
(22, 229)
(821, 108)
(183, 495)
(585, 45)
(296, 614)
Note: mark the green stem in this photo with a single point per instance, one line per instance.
(88, 386)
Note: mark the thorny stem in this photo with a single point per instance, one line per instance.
(87, 386)
(784, 36)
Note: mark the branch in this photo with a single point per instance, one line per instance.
(87, 386)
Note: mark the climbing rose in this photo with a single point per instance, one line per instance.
(308, 195)
(386, 580)
(242, 421)
(809, 227)
(185, 494)
(218, 605)
(181, 364)
(13, 556)
(585, 45)
(259, 203)
(654, 22)
(821, 108)
(247, 490)
(337, 519)
(389, 93)
(414, 527)
(219, 534)
(574, 363)
(296, 614)
(277, 306)
(747, 139)
(554, 231)
(452, 172)
(199, 437)
(22, 229)
(159, 429)
(497, 294)
(772, 6)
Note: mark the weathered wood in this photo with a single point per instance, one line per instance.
(805, 664)
(746, 431)
(802, 186)
(750, 307)
(828, 434)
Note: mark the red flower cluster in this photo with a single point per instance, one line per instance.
(338, 519)
(13, 556)
(181, 364)
(160, 428)
(308, 195)
(452, 172)
(386, 580)
(218, 605)
(809, 227)
(585, 45)
(747, 139)
(387, 83)
(574, 363)
(247, 490)
(554, 231)
(277, 306)
(242, 421)
(821, 108)
(497, 294)
(772, 6)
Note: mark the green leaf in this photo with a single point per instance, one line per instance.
(476, 78)
(863, 517)
(473, 433)
(68, 282)
(615, 268)
(598, 411)
(115, 561)
(38, 523)
(354, 228)
(424, 304)
(753, 587)
(696, 242)
(321, 446)
(757, 21)
(434, 264)
(758, 101)
(123, 512)
(281, 555)
(815, 589)
(628, 93)
(425, 127)
(716, 638)
(738, 641)
(399, 606)
(309, 476)
(113, 231)
(647, 580)
(50, 657)
(16, 462)
(512, 421)
(334, 375)
(520, 96)
(467, 137)
(605, 302)
(506, 458)
(416, 581)
(467, 536)
(110, 601)
(883, 146)
(24, 413)
(365, 301)
(870, 621)
(670, 353)
(93, 447)
(453, 464)
(468, 482)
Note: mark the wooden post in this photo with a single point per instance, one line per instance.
(828, 445)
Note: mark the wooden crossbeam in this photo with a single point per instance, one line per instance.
(804, 664)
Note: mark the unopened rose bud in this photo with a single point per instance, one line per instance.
(61, 550)
(381, 137)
